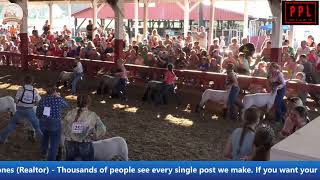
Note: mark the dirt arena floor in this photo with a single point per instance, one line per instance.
(152, 133)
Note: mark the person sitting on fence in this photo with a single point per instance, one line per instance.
(49, 113)
(80, 128)
(168, 84)
(123, 74)
(27, 96)
(78, 74)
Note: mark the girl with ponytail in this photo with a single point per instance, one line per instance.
(81, 127)
(239, 144)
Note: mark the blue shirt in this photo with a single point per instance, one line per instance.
(56, 104)
(246, 148)
(204, 67)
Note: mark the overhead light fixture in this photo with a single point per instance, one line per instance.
(206, 2)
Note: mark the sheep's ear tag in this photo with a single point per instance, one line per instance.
(46, 111)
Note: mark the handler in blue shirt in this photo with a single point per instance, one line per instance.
(49, 113)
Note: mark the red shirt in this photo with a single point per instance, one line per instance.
(50, 37)
(58, 53)
(169, 77)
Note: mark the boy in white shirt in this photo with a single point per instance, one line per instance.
(78, 74)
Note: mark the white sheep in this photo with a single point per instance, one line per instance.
(107, 149)
(64, 77)
(7, 104)
(213, 95)
(259, 100)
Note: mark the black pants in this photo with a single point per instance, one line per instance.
(82, 150)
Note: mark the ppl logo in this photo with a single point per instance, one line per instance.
(300, 12)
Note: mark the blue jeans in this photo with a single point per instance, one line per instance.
(52, 138)
(280, 105)
(22, 113)
(76, 79)
(165, 88)
(82, 150)
(233, 95)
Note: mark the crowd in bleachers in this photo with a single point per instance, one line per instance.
(184, 52)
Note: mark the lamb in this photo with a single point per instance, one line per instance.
(152, 89)
(107, 83)
(259, 100)
(64, 77)
(108, 149)
(7, 104)
(213, 95)
(104, 150)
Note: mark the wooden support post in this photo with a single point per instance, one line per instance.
(119, 29)
(211, 23)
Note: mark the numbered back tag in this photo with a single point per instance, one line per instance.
(46, 111)
(77, 128)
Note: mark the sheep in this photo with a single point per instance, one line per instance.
(107, 149)
(152, 89)
(259, 100)
(107, 83)
(64, 77)
(213, 95)
(7, 104)
(104, 150)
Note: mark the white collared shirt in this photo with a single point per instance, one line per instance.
(79, 68)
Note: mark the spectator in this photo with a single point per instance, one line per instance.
(46, 27)
(266, 52)
(234, 46)
(263, 141)
(243, 65)
(295, 119)
(303, 49)
(247, 48)
(310, 42)
(307, 68)
(261, 70)
(204, 65)
(229, 60)
(240, 143)
(66, 31)
(90, 30)
(202, 38)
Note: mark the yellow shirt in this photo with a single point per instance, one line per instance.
(88, 124)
